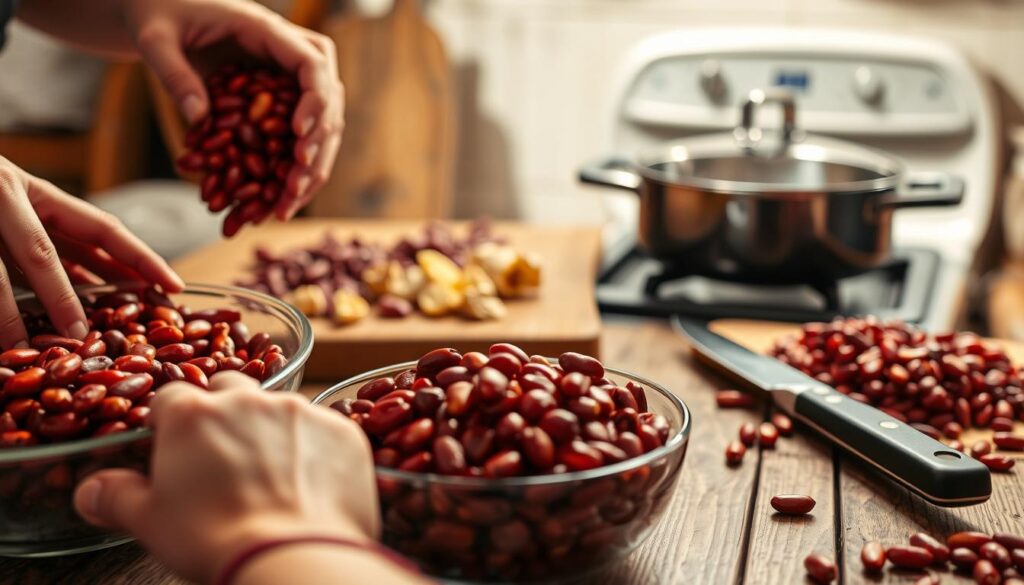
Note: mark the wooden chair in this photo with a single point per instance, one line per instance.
(113, 150)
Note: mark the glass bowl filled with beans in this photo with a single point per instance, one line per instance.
(70, 407)
(505, 467)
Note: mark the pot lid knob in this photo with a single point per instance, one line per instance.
(749, 136)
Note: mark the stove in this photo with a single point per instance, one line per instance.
(919, 100)
(633, 283)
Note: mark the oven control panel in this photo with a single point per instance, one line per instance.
(835, 94)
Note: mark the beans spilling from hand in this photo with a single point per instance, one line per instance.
(996, 558)
(60, 389)
(504, 414)
(244, 148)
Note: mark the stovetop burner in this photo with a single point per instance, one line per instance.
(633, 283)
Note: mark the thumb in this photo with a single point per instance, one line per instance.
(161, 48)
(114, 498)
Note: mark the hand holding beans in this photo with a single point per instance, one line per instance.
(236, 466)
(51, 240)
(168, 33)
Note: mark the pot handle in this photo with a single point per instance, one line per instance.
(614, 172)
(926, 190)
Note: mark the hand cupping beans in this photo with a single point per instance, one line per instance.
(61, 389)
(244, 148)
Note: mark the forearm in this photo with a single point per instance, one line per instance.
(97, 25)
(323, 564)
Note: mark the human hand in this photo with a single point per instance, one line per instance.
(235, 466)
(169, 33)
(50, 239)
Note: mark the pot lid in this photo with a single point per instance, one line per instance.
(751, 160)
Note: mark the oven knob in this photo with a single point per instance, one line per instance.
(868, 85)
(711, 80)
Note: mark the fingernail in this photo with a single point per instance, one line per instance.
(78, 330)
(192, 106)
(307, 125)
(310, 154)
(89, 496)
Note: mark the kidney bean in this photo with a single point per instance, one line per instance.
(733, 399)
(460, 398)
(997, 462)
(421, 462)
(435, 361)
(940, 552)
(968, 540)
(477, 442)
(1017, 556)
(137, 417)
(62, 426)
(474, 361)
(1008, 540)
(560, 424)
(506, 363)
(909, 557)
(985, 573)
(538, 447)
(504, 464)
(1008, 441)
(449, 456)
(792, 504)
(980, 448)
(584, 364)
(767, 435)
(872, 556)
(1001, 424)
(536, 403)
(963, 558)
(782, 423)
(18, 357)
(748, 434)
(254, 369)
(46, 341)
(820, 568)
(135, 364)
(194, 375)
(132, 387)
(56, 400)
(17, 439)
(996, 554)
(26, 382)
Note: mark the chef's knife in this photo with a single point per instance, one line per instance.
(937, 473)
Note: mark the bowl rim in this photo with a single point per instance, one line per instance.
(675, 442)
(296, 362)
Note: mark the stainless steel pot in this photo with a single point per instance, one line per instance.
(806, 209)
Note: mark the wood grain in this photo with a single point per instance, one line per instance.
(398, 154)
(562, 317)
(701, 537)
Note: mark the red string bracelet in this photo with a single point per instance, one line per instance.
(247, 554)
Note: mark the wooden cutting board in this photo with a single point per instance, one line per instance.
(562, 317)
(759, 336)
(397, 155)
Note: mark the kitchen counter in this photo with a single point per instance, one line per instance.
(719, 527)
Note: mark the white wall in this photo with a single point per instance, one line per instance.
(533, 76)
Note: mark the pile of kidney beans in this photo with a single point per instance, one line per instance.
(988, 559)
(61, 389)
(245, 146)
(504, 414)
(940, 384)
(508, 414)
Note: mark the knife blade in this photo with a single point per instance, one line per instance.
(937, 473)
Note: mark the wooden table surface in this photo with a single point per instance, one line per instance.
(719, 527)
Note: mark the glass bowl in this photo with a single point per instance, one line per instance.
(531, 529)
(37, 518)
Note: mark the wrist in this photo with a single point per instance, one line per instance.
(311, 560)
(227, 543)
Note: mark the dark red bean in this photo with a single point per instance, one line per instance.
(793, 504)
(748, 434)
(1008, 441)
(968, 540)
(963, 558)
(734, 399)
(998, 463)
(940, 552)
(909, 557)
(820, 569)
(872, 556)
(767, 435)
(734, 453)
(584, 364)
(985, 573)
(996, 554)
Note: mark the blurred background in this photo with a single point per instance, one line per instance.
(464, 108)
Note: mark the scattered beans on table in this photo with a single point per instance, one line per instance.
(793, 504)
(820, 568)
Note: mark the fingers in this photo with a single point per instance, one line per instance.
(85, 223)
(114, 498)
(96, 260)
(161, 49)
(30, 246)
(172, 398)
(12, 330)
(318, 122)
(232, 380)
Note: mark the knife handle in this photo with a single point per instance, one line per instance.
(939, 474)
